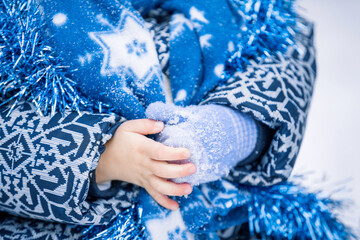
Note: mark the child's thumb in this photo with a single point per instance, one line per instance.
(142, 126)
(161, 112)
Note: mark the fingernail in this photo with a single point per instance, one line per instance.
(159, 125)
(193, 169)
(175, 207)
(188, 190)
(186, 153)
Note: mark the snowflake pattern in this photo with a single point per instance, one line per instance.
(125, 54)
(177, 234)
(137, 48)
(178, 24)
(198, 18)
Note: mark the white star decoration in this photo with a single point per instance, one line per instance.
(197, 15)
(204, 41)
(128, 48)
(85, 59)
(178, 24)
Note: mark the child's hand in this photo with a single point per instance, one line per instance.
(217, 137)
(131, 157)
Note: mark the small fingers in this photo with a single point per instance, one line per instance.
(142, 126)
(161, 199)
(159, 151)
(166, 170)
(170, 188)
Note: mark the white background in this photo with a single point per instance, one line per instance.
(331, 146)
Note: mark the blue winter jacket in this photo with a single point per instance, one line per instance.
(46, 162)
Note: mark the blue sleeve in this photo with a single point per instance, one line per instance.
(277, 93)
(45, 164)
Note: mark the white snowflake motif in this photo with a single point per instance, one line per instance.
(87, 58)
(137, 48)
(178, 24)
(171, 226)
(198, 17)
(204, 41)
(127, 47)
(177, 234)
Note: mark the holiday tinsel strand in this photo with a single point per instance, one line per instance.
(126, 226)
(30, 69)
(283, 211)
(268, 29)
(290, 211)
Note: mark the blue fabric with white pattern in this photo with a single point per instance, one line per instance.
(45, 165)
(276, 92)
(114, 53)
(117, 61)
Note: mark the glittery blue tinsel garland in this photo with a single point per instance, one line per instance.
(290, 211)
(283, 211)
(268, 28)
(126, 226)
(30, 69)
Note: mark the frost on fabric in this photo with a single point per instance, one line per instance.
(206, 131)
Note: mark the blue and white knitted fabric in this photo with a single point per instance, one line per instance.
(117, 62)
(112, 50)
(276, 91)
